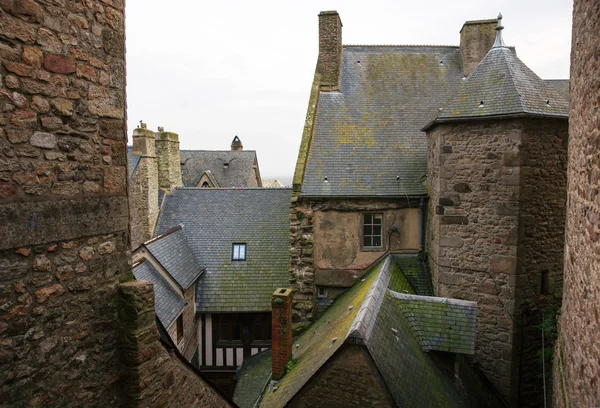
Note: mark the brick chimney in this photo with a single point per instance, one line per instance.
(169, 160)
(236, 144)
(476, 39)
(330, 50)
(281, 331)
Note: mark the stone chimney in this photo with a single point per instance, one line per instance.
(330, 50)
(143, 187)
(236, 144)
(169, 160)
(281, 331)
(476, 39)
(143, 142)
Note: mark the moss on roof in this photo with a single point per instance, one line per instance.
(316, 345)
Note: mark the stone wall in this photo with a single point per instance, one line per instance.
(143, 188)
(64, 242)
(577, 374)
(476, 39)
(169, 161)
(330, 50)
(152, 375)
(350, 376)
(326, 244)
(497, 194)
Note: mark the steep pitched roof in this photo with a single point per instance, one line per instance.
(172, 251)
(503, 86)
(372, 315)
(229, 168)
(366, 137)
(132, 161)
(168, 303)
(213, 220)
(562, 86)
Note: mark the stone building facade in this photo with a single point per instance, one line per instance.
(495, 170)
(577, 368)
(497, 184)
(64, 240)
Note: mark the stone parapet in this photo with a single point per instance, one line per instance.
(152, 376)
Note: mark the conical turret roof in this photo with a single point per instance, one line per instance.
(502, 86)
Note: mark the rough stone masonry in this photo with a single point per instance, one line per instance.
(64, 241)
(577, 364)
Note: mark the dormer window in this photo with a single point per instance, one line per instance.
(238, 252)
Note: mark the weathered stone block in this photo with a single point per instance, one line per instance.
(60, 64)
(452, 242)
(43, 140)
(455, 219)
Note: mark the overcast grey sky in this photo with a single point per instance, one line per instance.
(210, 70)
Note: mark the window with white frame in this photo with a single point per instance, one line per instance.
(238, 252)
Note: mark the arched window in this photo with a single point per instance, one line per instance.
(205, 184)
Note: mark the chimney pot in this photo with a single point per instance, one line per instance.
(281, 331)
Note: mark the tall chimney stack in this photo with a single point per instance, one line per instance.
(236, 144)
(281, 331)
(476, 39)
(169, 160)
(143, 187)
(330, 50)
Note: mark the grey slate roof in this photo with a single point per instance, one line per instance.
(506, 86)
(371, 314)
(439, 323)
(237, 174)
(213, 220)
(168, 303)
(132, 161)
(174, 254)
(369, 133)
(252, 379)
(562, 86)
(415, 272)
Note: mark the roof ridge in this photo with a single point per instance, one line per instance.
(365, 318)
(164, 234)
(221, 150)
(400, 45)
(511, 69)
(232, 188)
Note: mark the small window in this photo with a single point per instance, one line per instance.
(321, 292)
(238, 252)
(180, 328)
(372, 225)
(545, 283)
(205, 185)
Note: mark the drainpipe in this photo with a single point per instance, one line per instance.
(422, 224)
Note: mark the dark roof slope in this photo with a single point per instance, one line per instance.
(168, 303)
(252, 379)
(502, 85)
(370, 314)
(174, 254)
(132, 161)
(229, 168)
(213, 220)
(562, 86)
(367, 138)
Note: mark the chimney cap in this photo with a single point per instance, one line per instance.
(236, 144)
